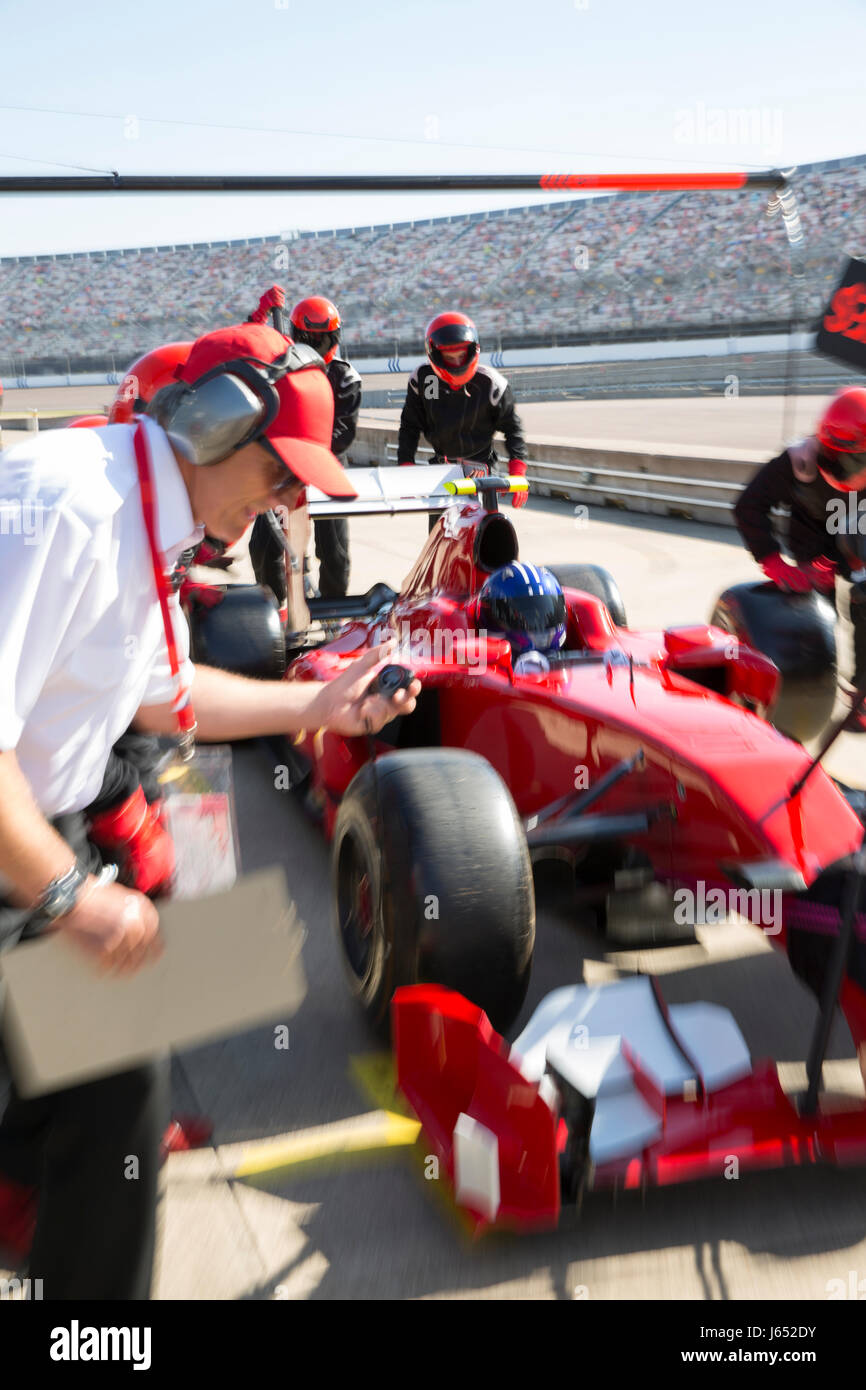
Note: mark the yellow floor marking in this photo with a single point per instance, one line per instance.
(374, 1073)
(377, 1132)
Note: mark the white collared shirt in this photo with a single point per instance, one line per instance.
(82, 643)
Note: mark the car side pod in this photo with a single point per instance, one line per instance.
(494, 1131)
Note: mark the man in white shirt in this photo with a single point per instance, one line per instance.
(83, 654)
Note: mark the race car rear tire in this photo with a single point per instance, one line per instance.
(592, 579)
(797, 632)
(241, 633)
(433, 883)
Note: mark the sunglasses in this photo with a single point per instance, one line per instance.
(284, 479)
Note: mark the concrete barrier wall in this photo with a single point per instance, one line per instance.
(690, 482)
(659, 350)
(654, 351)
(699, 484)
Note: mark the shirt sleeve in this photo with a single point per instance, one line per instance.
(347, 402)
(45, 566)
(162, 687)
(411, 423)
(510, 424)
(772, 486)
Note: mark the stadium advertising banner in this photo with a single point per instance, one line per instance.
(842, 332)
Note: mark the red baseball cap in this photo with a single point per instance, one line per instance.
(301, 433)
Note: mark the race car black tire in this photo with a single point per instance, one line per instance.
(433, 883)
(241, 633)
(592, 579)
(797, 632)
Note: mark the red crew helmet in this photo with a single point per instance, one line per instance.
(145, 377)
(452, 347)
(316, 322)
(842, 440)
(88, 422)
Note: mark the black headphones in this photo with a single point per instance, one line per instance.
(228, 407)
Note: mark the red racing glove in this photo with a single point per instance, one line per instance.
(406, 463)
(517, 469)
(274, 298)
(823, 574)
(133, 835)
(791, 578)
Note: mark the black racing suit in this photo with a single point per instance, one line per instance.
(459, 423)
(332, 533)
(819, 513)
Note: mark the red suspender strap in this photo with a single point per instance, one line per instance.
(181, 704)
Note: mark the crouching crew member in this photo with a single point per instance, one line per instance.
(815, 479)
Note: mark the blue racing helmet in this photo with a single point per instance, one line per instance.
(526, 605)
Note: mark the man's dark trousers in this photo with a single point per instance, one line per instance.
(93, 1152)
(332, 553)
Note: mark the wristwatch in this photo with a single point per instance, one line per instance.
(62, 892)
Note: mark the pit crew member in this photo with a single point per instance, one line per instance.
(316, 322)
(458, 404)
(815, 479)
(245, 427)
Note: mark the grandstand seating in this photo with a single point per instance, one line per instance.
(652, 262)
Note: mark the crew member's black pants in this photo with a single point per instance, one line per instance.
(332, 553)
(858, 611)
(93, 1153)
(858, 623)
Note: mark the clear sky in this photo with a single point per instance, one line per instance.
(341, 86)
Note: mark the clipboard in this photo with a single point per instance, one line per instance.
(231, 961)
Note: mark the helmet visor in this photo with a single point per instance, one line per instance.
(322, 342)
(451, 335)
(845, 471)
(456, 356)
(536, 613)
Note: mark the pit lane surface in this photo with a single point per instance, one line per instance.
(375, 1228)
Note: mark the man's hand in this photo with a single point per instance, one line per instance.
(116, 926)
(230, 707)
(517, 469)
(790, 578)
(274, 298)
(406, 463)
(343, 707)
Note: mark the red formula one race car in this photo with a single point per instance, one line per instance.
(647, 758)
(650, 760)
